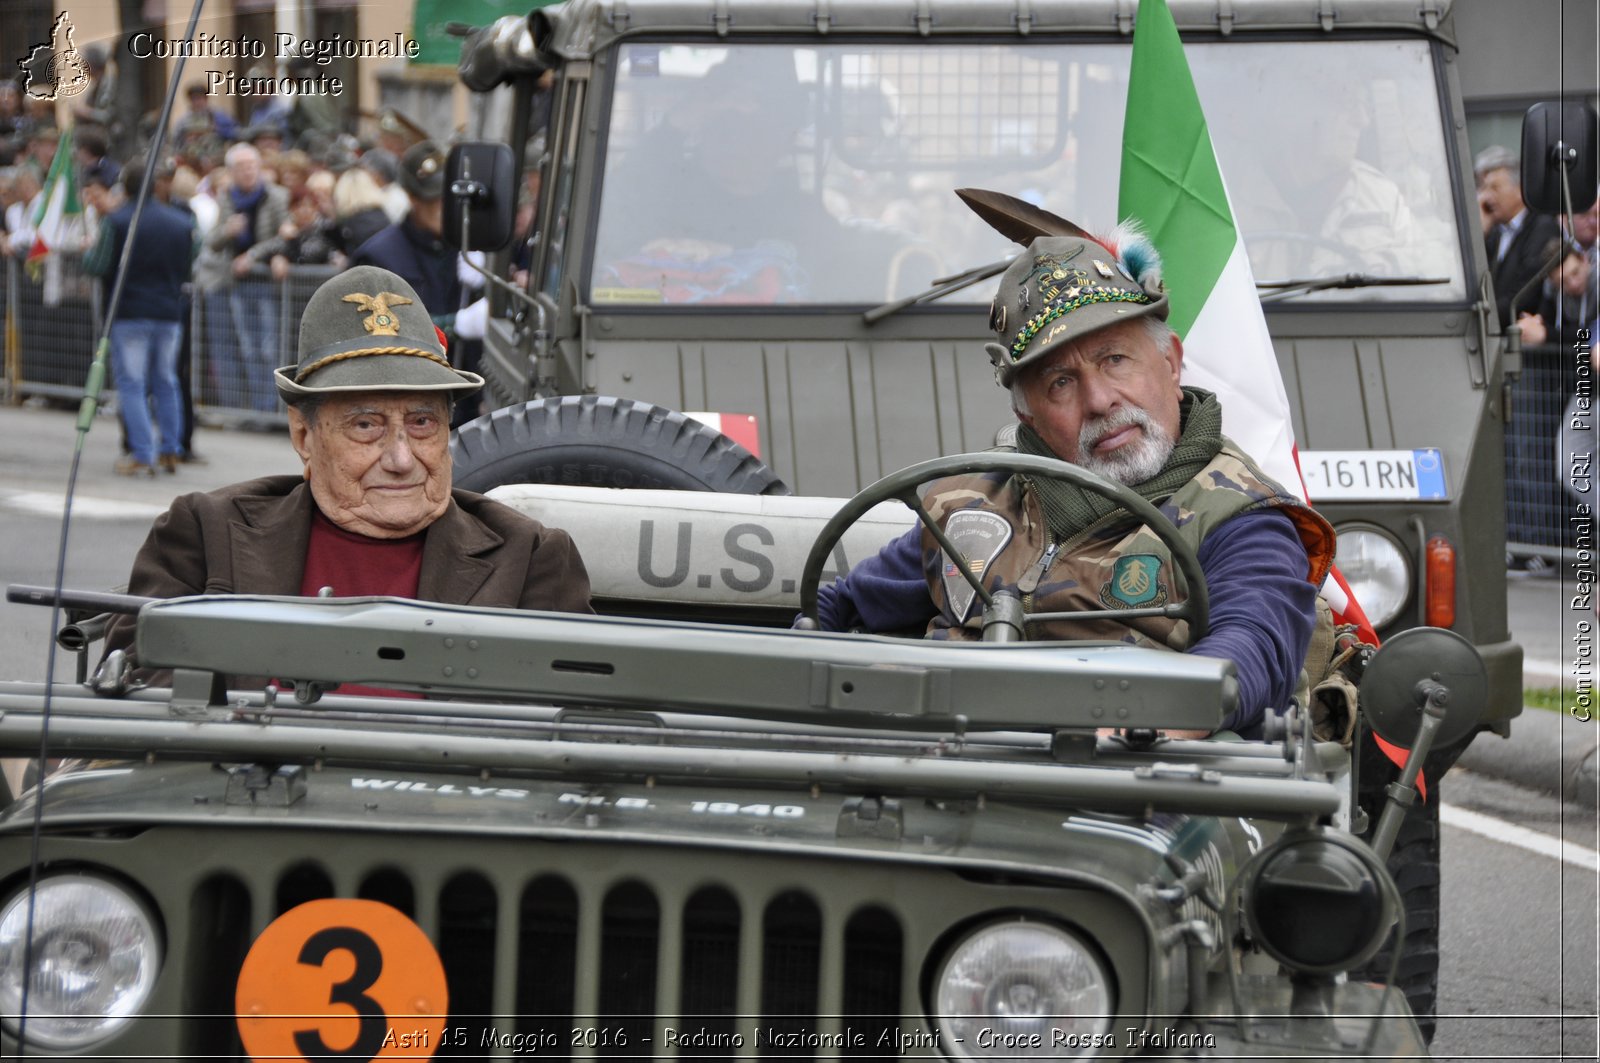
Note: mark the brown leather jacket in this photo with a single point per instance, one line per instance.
(251, 538)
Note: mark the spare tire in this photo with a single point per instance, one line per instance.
(604, 441)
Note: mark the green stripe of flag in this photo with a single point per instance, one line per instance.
(1170, 180)
(62, 169)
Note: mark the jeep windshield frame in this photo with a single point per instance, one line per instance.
(871, 135)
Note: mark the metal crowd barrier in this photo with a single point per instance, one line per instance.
(52, 319)
(239, 333)
(1539, 507)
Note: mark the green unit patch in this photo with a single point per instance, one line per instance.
(1135, 580)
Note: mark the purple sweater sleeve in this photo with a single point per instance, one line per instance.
(885, 592)
(1262, 611)
(1262, 607)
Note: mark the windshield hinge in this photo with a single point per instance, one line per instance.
(1125, 12)
(277, 786)
(876, 818)
(822, 18)
(195, 691)
(1430, 14)
(620, 16)
(1225, 17)
(1024, 17)
(1325, 15)
(722, 20)
(924, 18)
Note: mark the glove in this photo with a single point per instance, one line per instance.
(469, 277)
(472, 319)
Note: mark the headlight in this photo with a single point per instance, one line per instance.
(95, 958)
(1377, 570)
(1022, 988)
(1318, 902)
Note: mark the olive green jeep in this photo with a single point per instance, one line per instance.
(641, 834)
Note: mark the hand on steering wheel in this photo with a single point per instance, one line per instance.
(903, 485)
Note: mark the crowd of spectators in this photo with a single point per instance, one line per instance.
(285, 188)
(1546, 272)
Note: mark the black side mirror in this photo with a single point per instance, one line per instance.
(480, 196)
(1558, 141)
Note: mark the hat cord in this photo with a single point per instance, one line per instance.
(306, 371)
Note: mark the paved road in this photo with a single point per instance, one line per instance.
(111, 514)
(1519, 944)
(1520, 940)
(1541, 615)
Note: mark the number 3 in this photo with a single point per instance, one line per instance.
(369, 966)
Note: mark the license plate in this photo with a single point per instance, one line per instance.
(1374, 475)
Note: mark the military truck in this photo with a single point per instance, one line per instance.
(623, 835)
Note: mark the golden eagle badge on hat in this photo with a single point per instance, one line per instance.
(381, 322)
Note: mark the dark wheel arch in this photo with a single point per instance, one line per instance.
(604, 441)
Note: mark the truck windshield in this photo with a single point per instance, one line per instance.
(766, 174)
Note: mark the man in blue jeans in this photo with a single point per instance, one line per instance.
(148, 328)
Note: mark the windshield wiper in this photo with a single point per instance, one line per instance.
(1280, 290)
(942, 287)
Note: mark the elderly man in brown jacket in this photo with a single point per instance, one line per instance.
(373, 512)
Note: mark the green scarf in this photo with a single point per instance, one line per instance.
(1069, 509)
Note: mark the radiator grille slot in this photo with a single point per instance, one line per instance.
(466, 944)
(873, 947)
(389, 885)
(219, 937)
(629, 942)
(547, 958)
(708, 982)
(791, 961)
(301, 883)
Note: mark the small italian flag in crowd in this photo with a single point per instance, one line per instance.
(1172, 184)
(58, 220)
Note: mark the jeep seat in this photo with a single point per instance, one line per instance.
(700, 555)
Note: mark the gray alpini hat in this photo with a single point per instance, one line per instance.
(366, 330)
(1061, 288)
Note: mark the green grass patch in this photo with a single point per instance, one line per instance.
(1549, 698)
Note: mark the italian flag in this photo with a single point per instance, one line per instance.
(1172, 184)
(58, 223)
(60, 210)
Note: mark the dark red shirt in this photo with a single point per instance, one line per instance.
(357, 566)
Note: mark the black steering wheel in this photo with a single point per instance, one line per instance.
(903, 485)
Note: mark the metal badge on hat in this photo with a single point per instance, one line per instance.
(382, 322)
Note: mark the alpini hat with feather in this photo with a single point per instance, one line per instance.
(1066, 283)
(366, 330)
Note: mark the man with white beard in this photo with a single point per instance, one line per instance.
(1094, 373)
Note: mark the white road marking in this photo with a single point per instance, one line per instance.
(41, 504)
(1538, 664)
(1520, 837)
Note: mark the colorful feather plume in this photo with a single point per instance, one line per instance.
(1135, 253)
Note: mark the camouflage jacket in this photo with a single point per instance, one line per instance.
(1115, 563)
